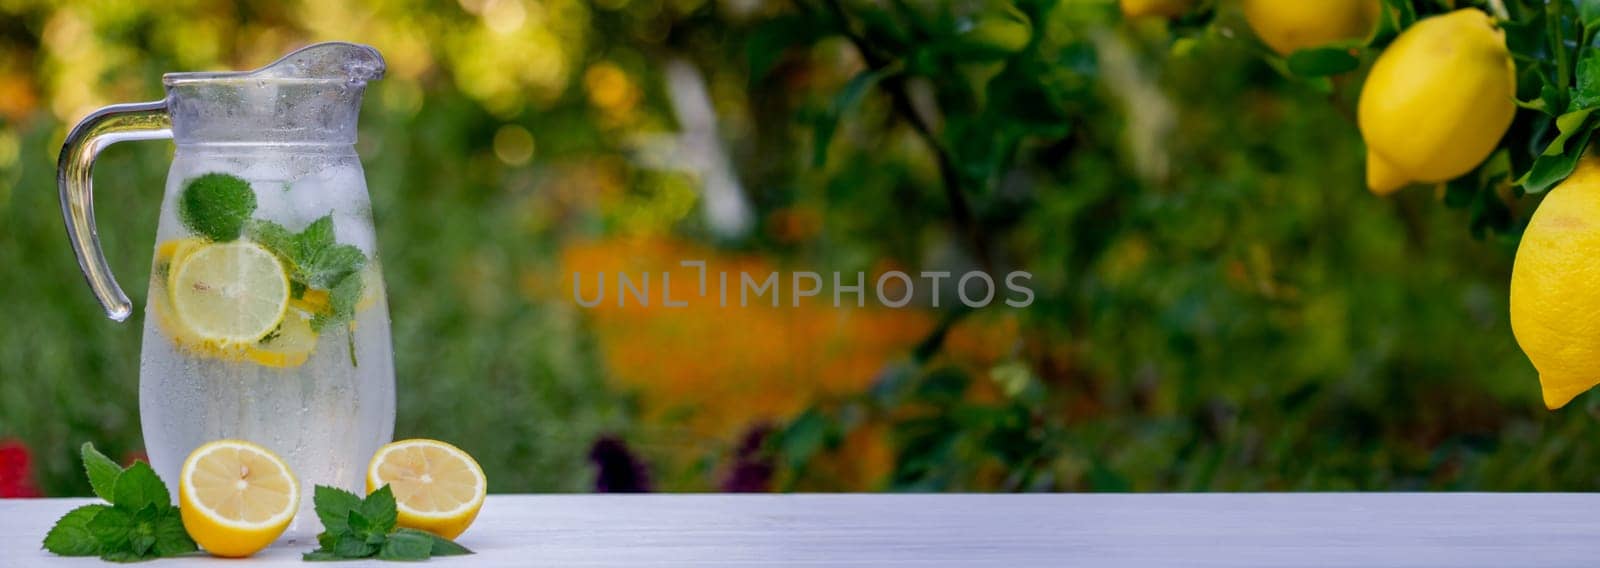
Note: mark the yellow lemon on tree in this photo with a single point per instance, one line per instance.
(1288, 26)
(1437, 101)
(1555, 300)
(236, 497)
(1162, 8)
(437, 487)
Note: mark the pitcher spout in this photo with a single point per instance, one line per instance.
(310, 96)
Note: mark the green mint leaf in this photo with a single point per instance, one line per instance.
(342, 300)
(407, 546)
(359, 525)
(275, 238)
(327, 539)
(379, 509)
(70, 536)
(110, 528)
(352, 546)
(123, 556)
(320, 555)
(102, 471)
(315, 237)
(333, 506)
(142, 533)
(171, 538)
(216, 205)
(441, 546)
(139, 487)
(332, 264)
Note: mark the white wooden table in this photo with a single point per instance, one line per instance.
(1317, 529)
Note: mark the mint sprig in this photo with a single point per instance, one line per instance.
(354, 528)
(216, 206)
(140, 522)
(315, 261)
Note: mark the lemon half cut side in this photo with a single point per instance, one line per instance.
(236, 497)
(437, 487)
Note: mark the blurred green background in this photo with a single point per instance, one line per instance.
(1220, 304)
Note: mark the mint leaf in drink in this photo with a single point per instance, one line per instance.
(139, 487)
(102, 471)
(216, 205)
(71, 536)
(342, 300)
(407, 546)
(275, 238)
(333, 507)
(332, 264)
(315, 237)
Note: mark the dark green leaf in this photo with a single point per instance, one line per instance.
(71, 536)
(844, 101)
(333, 506)
(171, 538)
(123, 556)
(110, 528)
(359, 525)
(142, 534)
(102, 472)
(441, 546)
(349, 545)
(1322, 61)
(139, 487)
(216, 205)
(1589, 12)
(1587, 94)
(407, 546)
(320, 555)
(1552, 167)
(379, 508)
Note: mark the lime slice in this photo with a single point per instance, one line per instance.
(231, 293)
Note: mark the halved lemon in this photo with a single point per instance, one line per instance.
(236, 497)
(437, 487)
(230, 293)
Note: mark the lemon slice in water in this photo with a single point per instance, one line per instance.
(230, 293)
(290, 345)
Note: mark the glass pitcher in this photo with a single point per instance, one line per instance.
(266, 319)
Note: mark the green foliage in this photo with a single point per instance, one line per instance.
(139, 524)
(1221, 305)
(355, 528)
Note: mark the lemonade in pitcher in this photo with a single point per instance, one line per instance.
(266, 318)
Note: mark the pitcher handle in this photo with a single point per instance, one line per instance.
(74, 176)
